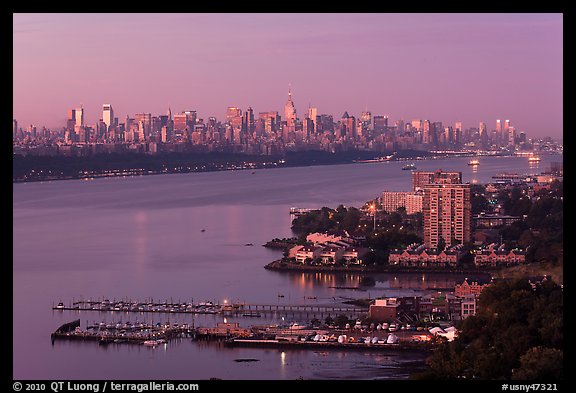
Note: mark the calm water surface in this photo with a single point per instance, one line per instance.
(141, 237)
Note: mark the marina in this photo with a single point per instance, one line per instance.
(233, 335)
(138, 333)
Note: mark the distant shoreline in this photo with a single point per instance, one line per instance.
(279, 265)
(37, 168)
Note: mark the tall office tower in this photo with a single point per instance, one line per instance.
(348, 126)
(499, 131)
(79, 117)
(447, 214)
(145, 119)
(290, 111)
(426, 132)
(506, 125)
(233, 111)
(483, 135)
(108, 115)
(271, 121)
(417, 124)
(458, 132)
(511, 136)
(421, 179)
(14, 128)
(449, 135)
(71, 119)
(180, 121)
(522, 137)
(248, 123)
(366, 119)
(307, 128)
(380, 123)
(313, 115)
(399, 126)
(436, 131)
(169, 114)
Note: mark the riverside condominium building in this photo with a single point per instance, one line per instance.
(421, 179)
(447, 214)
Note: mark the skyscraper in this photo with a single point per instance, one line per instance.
(79, 117)
(447, 214)
(290, 111)
(313, 115)
(108, 115)
(248, 123)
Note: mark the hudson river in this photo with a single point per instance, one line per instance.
(142, 237)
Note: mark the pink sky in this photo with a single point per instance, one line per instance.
(440, 67)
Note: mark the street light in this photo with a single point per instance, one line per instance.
(373, 208)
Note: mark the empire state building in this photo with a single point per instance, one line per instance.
(290, 111)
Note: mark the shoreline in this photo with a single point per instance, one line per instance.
(211, 167)
(279, 265)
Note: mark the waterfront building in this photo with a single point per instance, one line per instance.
(494, 256)
(384, 310)
(472, 287)
(421, 178)
(447, 214)
(421, 256)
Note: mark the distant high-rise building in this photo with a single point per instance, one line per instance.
(232, 112)
(313, 115)
(380, 123)
(498, 125)
(108, 115)
(14, 128)
(366, 119)
(417, 124)
(79, 117)
(511, 136)
(421, 178)
(447, 214)
(426, 132)
(348, 126)
(483, 135)
(145, 120)
(248, 125)
(180, 121)
(290, 111)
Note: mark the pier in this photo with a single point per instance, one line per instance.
(308, 310)
(236, 309)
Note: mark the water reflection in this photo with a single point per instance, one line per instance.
(370, 281)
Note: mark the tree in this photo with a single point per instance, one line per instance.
(441, 244)
(541, 364)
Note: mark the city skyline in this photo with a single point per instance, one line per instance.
(442, 67)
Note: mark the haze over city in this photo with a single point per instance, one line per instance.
(442, 67)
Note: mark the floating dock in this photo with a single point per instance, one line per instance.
(123, 333)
